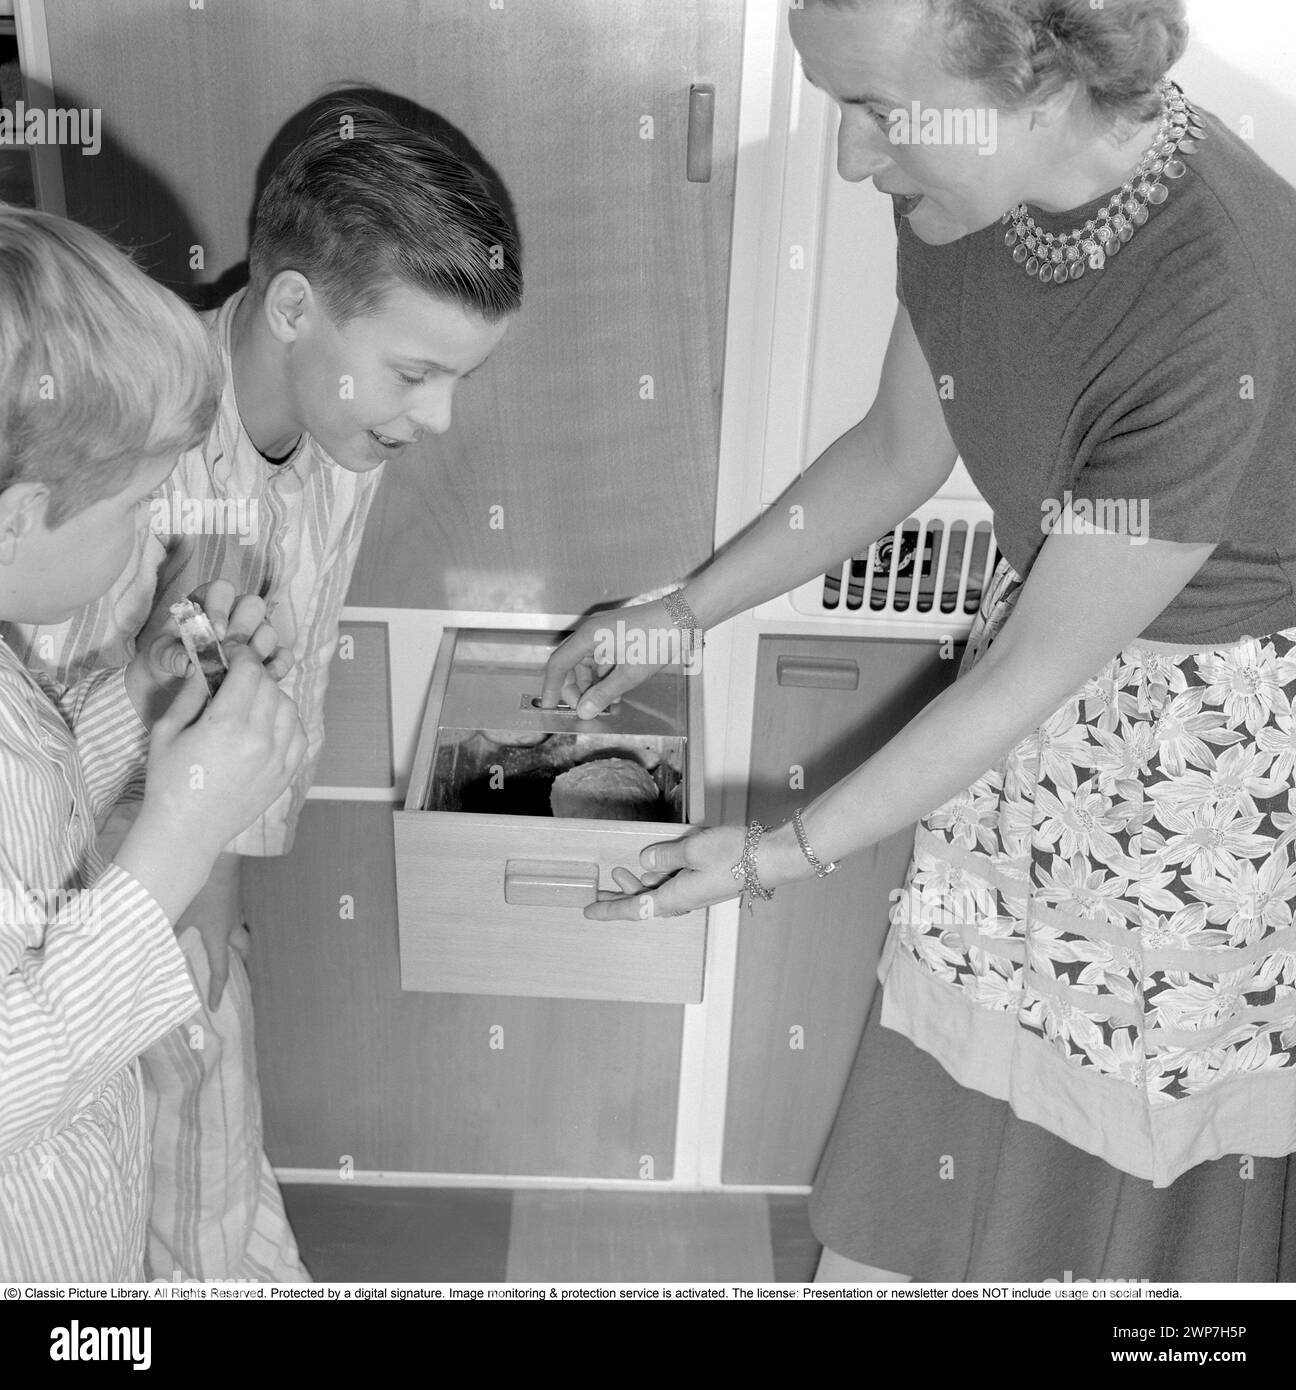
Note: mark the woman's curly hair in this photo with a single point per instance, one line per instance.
(1022, 50)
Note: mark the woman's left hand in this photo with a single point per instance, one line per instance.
(678, 876)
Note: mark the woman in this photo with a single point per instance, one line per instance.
(1082, 1062)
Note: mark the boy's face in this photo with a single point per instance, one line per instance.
(48, 575)
(368, 388)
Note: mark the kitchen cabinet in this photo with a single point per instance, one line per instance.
(807, 960)
(581, 467)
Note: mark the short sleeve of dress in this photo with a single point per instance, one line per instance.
(1179, 438)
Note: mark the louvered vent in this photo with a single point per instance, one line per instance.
(929, 572)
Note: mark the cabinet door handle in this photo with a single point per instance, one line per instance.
(823, 672)
(550, 883)
(701, 124)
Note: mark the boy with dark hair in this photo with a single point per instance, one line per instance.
(383, 270)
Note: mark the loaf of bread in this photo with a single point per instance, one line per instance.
(643, 748)
(605, 789)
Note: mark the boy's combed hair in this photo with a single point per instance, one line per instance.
(102, 370)
(364, 202)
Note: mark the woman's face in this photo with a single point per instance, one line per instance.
(879, 58)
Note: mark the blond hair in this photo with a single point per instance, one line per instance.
(102, 370)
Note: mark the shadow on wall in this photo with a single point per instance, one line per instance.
(122, 197)
(125, 199)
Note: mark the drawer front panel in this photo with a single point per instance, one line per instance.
(492, 905)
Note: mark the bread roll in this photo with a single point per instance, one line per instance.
(605, 789)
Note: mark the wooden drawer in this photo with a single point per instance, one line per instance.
(491, 903)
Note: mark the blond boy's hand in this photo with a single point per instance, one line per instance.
(214, 766)
(212, 771)
(160, 663)
(242, 618)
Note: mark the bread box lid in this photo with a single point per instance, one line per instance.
(495, 679)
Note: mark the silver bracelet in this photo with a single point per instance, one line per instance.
(683, 617)
(745, 869)
(821, 869)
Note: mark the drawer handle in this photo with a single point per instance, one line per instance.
(550, 883)
(533, 702)
(701, 125)
(825, 672)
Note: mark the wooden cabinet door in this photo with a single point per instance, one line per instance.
(582, 463)
(807, 960)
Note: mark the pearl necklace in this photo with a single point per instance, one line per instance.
(1057, 260)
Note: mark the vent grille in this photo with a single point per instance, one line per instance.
(918, 568)
(930, 572)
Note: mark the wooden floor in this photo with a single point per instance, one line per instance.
(490, 1235)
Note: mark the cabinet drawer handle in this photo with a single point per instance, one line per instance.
(701, 125)
(824, 672)
(562, 707)
(550, 883)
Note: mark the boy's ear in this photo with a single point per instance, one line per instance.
(288, 296)
(22, 508)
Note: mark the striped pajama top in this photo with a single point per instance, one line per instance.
(289, 532)
(90, 975)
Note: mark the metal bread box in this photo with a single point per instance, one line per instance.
(502, 841)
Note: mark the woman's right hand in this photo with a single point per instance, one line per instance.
(609, 654)
(212, 772)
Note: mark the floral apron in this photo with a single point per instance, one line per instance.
(1100, 929)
